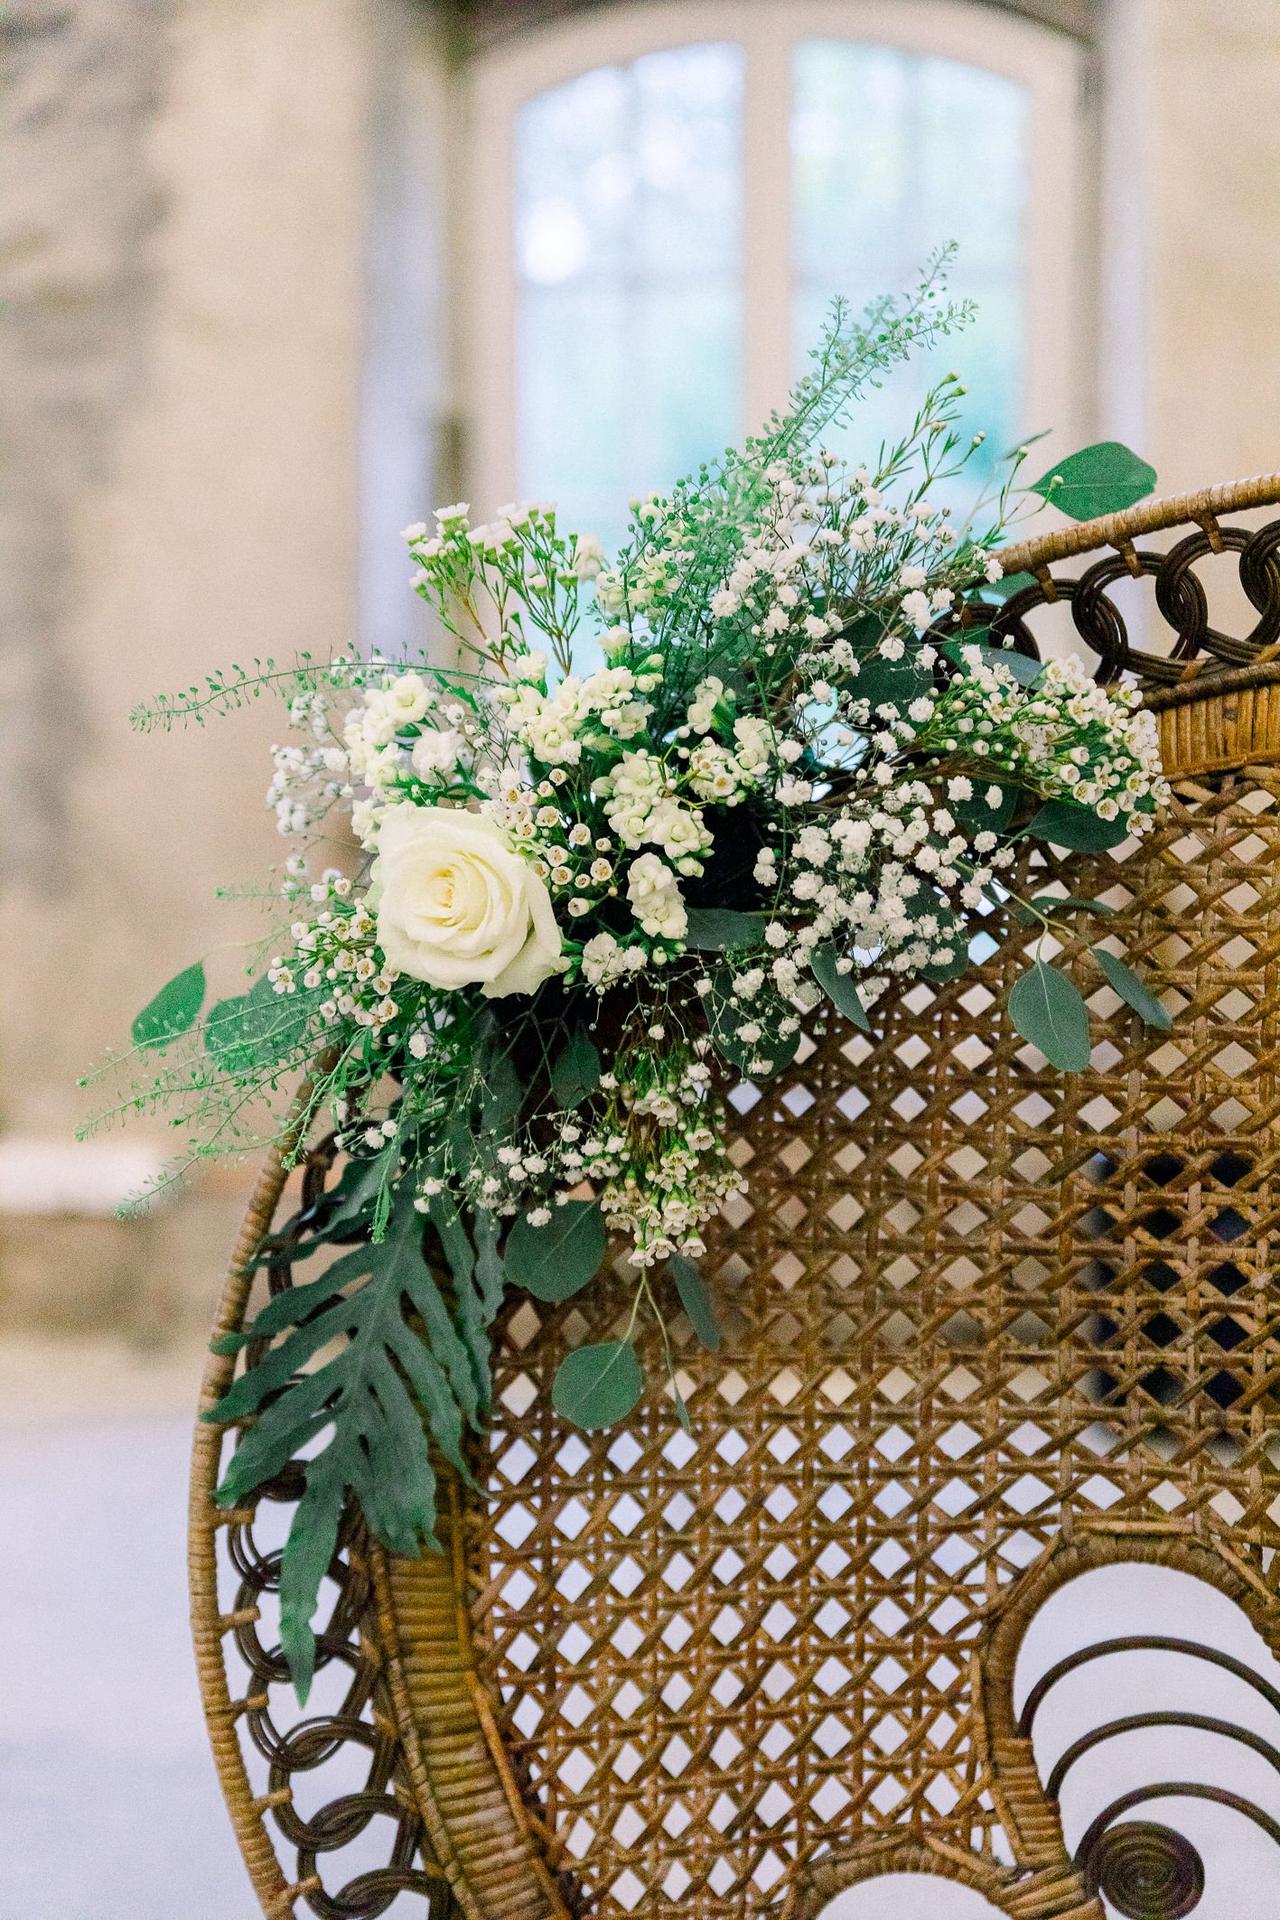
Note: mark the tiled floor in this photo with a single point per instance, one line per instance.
(109, 1808)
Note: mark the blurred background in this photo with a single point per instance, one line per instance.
(275, 277)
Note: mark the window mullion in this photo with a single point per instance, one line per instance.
(766, 212)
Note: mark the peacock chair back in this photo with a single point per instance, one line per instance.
(989, 1330)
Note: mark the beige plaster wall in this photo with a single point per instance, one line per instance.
(1191, 225)
(183, 218)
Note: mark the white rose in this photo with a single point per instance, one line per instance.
(457, 907)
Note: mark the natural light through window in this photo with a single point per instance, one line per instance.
(682, 205)
(892, 152)
(629, 275)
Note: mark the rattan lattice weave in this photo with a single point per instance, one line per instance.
(988, 1326)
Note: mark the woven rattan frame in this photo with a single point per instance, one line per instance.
(871, 1362)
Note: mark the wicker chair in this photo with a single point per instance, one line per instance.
(989, 1327)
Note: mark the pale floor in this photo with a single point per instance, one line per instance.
(109, 1809)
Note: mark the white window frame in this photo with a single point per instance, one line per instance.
(1049, 65)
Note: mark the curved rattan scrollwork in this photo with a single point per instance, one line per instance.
(1022, 1895)
(607, 1670)
(1146, 1869)
(1142, 1868)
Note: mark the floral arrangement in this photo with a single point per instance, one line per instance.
(654, 819)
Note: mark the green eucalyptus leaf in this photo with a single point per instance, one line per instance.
(173, 1011)
(257, 1029)
(839, 987)
(997, 592)
(1132, 990)
(975, 816)
(1025, 670)
(696, 1301)
(1078, 828)
(724, 1017)
(1052, 903)
(1048, 1010)
(1105, 478)
(712, 929)
(890, 683)
(555, 1261)
(575, 1074)
(598, 1385)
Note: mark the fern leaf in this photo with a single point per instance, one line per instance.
(407, 1363)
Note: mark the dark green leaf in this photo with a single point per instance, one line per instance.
(556, 1261)
(956, 962)
(696, 1301)
(344, 1367)
(173, 1011)
(503, 1095)
(472, 1321)
(1105, 478)
(490, 1272)
(864, 633)
(1053, 903)
(344, 1213)
(1078, 828)
(711, 929)
(1048, 1009)
(725, 1017)
(839, 987)
(1133, 990)
(951, 939)
(1025, 670)
(890, 683)
(975, 816)
(598, 1385)
(997, 592)
(308, 1555)
(256, 1029)
(576, 1072)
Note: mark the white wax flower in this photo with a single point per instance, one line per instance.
(588, 556)
(436, 752)
(457, 907)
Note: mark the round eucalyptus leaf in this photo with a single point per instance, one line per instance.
(598, 1385)
(1049, 1010)
(555, 1261)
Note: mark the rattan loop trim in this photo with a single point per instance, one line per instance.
(221, 1713)
(1149, 516)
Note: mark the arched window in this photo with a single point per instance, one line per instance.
(677, 191)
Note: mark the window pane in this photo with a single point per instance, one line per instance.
(894, 154)
(628, 246)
